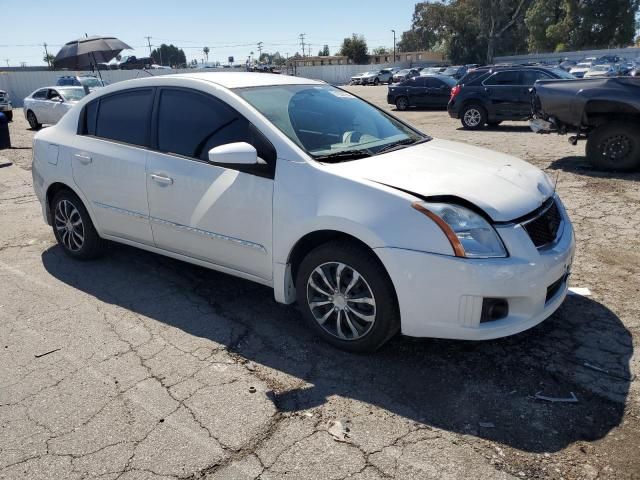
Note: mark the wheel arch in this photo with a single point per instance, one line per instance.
(285, 277)
(54, 188)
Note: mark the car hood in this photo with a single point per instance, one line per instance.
(504, 187)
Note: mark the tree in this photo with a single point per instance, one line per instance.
(355, 48)
(168, 55)
(496, 18)
(380, 51)
(48, 59)
(324, 52)
(205, 50)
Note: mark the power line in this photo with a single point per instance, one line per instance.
(301, 36)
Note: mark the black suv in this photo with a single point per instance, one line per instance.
(489, 95)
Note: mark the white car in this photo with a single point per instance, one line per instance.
(580, 69)
(48, 105)
(603, 70)
(370, 225)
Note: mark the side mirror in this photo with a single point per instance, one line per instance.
(239, 153)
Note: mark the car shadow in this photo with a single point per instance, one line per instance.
(580, 166)
(484, 389)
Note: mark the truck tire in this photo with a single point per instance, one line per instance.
(615, 146)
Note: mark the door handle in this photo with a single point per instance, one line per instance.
(162, 180)
(84, 159)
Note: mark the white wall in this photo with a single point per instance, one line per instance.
(21, 84)
(576, 55)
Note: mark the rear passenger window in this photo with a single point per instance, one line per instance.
(503, 78)
(91, 113)
(191, 124)
(124, 117)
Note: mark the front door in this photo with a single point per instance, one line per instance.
(109, 159)
(206, 211)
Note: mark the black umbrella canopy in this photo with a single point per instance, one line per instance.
(84, 52)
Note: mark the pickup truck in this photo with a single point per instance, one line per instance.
(134, 63)
(604, 111)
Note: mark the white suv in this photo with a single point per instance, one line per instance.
(372, 226)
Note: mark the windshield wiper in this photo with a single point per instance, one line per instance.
(343, 156)
(400, 144)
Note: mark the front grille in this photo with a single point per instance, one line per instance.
(543, 229)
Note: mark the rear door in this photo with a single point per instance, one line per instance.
(37, 105)
(109, 162)
(437, 92)
(417, 91)
(502, 91)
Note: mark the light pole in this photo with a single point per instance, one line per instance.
(394, 46)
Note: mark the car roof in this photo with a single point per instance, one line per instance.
(243, 79)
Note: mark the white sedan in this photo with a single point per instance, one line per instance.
(48, 105)
(370, 225)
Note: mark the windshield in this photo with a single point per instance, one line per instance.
(601, 68)
(328, 122)
(451, 70)
(91, 82)
(72, 94)
(404, 72)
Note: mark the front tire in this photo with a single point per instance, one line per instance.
(33, 121)
(9, 116)
(347, 297)
(615, 146)
(402, 103)
(473, 117)
(73, 228)
(376, 82)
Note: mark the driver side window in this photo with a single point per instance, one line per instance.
(192, 123)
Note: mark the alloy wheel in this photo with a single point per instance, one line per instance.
(341, 301)
(68, 224)
(472, 117)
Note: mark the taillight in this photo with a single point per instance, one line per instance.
(455, 91)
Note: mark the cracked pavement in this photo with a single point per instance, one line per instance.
(137, 366)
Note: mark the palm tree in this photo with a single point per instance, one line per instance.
(206, 53)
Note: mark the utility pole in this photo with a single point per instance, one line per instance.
(46, 54)
(259, 50)
(301, 37)
(149, 42)
(23, 64)
(394, 46)
(7, 60)
(309, 48)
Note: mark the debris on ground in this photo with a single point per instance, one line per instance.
(338, 431)
(581, 291)
(39, 355)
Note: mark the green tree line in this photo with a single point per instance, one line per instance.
(475, 31)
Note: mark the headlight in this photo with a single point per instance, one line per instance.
(470, 234)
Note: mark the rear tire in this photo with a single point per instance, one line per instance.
(9, 116)
(473, 116)
(615, 146)
(33, 121)
(402, 103)
(355, 309)
(73, 228)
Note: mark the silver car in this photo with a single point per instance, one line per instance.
(377, 77)
(49, 104)
(5, 105)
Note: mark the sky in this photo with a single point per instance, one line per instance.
(228, 28)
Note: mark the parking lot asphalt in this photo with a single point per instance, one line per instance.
(137, 366)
